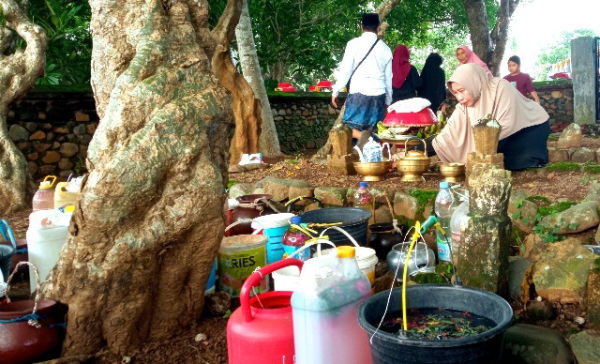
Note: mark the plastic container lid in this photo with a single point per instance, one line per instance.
(363, 184)
(48, 182)
(444, 185)
(346, 251)
(295, 220)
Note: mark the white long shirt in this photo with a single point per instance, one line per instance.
(374, 76)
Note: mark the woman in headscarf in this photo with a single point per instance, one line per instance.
(405, 77)
(524, 123)
(433, 81)
(466, 55)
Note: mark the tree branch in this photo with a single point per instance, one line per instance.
(383, 10)
(24, 66)
(500, 32)
(224, 31)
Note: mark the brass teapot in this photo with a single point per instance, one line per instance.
(414, 163)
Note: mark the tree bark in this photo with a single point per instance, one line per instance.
(489, 46)
(149, 222)
(268, 142)
(499, 34)
(383, 10)
(20, 69)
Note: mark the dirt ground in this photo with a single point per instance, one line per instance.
(184, 346)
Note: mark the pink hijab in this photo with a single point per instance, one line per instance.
(472, 58)
(400, 66)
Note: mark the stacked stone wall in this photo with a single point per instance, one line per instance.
(53, 130)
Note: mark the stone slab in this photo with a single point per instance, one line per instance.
(531, 344)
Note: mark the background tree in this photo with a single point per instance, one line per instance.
(488, 44)
(268, 142)
(20, 67)
(69, 50)
(559, 51)
(149, 222)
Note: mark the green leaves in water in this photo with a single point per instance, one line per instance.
(437, 324)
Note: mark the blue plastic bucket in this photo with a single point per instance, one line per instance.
(275, 243)
(212, 279)
(273, 227)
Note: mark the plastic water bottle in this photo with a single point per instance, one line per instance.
(325, 308)
(362, 197)
(43, 199)
(459, 215)
(443, 211)
(294, 239)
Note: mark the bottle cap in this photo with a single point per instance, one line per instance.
(295, 220)
(345, 251)
(444, 185)
(363, 184)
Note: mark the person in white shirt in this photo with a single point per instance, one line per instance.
(370, 90)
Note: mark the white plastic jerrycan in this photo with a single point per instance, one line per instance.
(324, 309)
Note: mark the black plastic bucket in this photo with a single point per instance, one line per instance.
(6, 254)
(354, 221)
(483, 348)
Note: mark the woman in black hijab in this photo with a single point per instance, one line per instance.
(433, 81)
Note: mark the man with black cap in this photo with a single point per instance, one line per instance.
(367, 66)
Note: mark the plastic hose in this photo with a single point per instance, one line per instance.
(413, 240)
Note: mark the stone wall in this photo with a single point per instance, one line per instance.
(302, 123)
(53, 130)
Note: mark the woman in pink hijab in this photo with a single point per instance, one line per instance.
(466, 55)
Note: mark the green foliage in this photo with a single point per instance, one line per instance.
(597, 265)
(516, 238)
(591, 167)
(423, 197)
(555, 208)
(564, 166)
(2, 18)
(230, 183)
(559, 51)
(302, 41)
(68, 54)
(548, 235)
(423, 278)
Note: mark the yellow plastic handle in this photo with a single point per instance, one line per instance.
(54, 179)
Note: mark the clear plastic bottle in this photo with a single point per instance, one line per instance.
(294, 239)
(443, 211)
(325, 308)
(458, 217)
(362, 197)
(43, 199)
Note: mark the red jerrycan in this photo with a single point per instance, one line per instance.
(260, 331)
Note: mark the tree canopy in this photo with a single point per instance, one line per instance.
(296, 40)
(559, 51)
(68, 55)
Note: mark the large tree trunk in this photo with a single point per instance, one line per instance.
(18, 72)
(149, 222)
(489, 46)
(268, 142)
